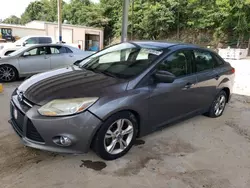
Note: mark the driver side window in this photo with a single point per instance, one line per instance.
(178, 63)
(33, 40)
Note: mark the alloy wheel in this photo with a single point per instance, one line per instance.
(220, 105)
(7, 73)
(118, 136)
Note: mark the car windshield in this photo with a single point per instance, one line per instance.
(21, 50)
(125, 60)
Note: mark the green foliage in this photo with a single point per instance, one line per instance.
(84, 13)
(225, 20)
(152, 19)
(12, 20)
(40, 10)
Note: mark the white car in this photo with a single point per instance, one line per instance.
(31, 60)
(7, 48)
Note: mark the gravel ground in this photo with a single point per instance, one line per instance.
(198, 153)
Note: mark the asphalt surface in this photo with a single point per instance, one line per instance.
(198, 153)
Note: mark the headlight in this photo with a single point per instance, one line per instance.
(64, 107)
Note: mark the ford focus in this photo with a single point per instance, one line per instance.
(114, 96)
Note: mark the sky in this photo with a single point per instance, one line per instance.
(15, 7)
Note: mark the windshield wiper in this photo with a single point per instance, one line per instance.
(108, 74)
(102, 72)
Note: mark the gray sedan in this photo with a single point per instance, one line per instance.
(123, 92)
(34, 59)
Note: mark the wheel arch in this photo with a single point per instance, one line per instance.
(133, 112)
(226, 86)
(8, 52)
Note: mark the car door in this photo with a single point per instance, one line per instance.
(171, 101)
(207, 77)
(60, 57)
(34, 61)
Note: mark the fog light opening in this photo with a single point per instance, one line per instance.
(62, 141)
(65, 141)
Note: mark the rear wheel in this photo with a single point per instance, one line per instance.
(8, 73)
(116, 136)
(218, 105)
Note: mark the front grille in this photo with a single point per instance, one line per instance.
(18, 118)
(32, 133)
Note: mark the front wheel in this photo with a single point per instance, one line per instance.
(218, 105)
(116, 136)
(8, 73)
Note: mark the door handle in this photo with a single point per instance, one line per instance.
(71, 55)
(187, 86)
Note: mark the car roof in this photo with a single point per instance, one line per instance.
(164, 44)
(50, 44)
(42, 36)
(155, 44)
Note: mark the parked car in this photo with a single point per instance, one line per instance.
(7, 48)
(38, 58)
(120, 93)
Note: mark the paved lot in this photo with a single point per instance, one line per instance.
(197, 153)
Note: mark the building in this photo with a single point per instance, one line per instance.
(87, 37)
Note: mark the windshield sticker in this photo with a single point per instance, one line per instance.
(150, 51)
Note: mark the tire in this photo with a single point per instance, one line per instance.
(218, 106)
(109, 133)
(8, 73)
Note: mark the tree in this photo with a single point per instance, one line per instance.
(45, 10)
(12, 20)
(225, 21)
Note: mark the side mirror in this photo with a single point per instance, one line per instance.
(164, 77)
(24, 43)
(77, 62)
(25, 54)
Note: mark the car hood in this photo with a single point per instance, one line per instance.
(11, 45)
(69, 82)
(7, 45)
(6, 58)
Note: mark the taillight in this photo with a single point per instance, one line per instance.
(79, 46)
(233, 70)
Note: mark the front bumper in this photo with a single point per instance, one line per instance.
(38, 131)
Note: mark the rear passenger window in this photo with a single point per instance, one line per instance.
(204, 60)
(58, 50)
(178, 63)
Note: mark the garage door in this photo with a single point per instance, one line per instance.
(67, 35)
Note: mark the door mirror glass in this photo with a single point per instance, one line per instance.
(25, 54)
(164, 77)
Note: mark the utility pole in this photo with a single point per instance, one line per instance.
(178, 20)
(125, 21)
(132, 20)
(59, 10)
